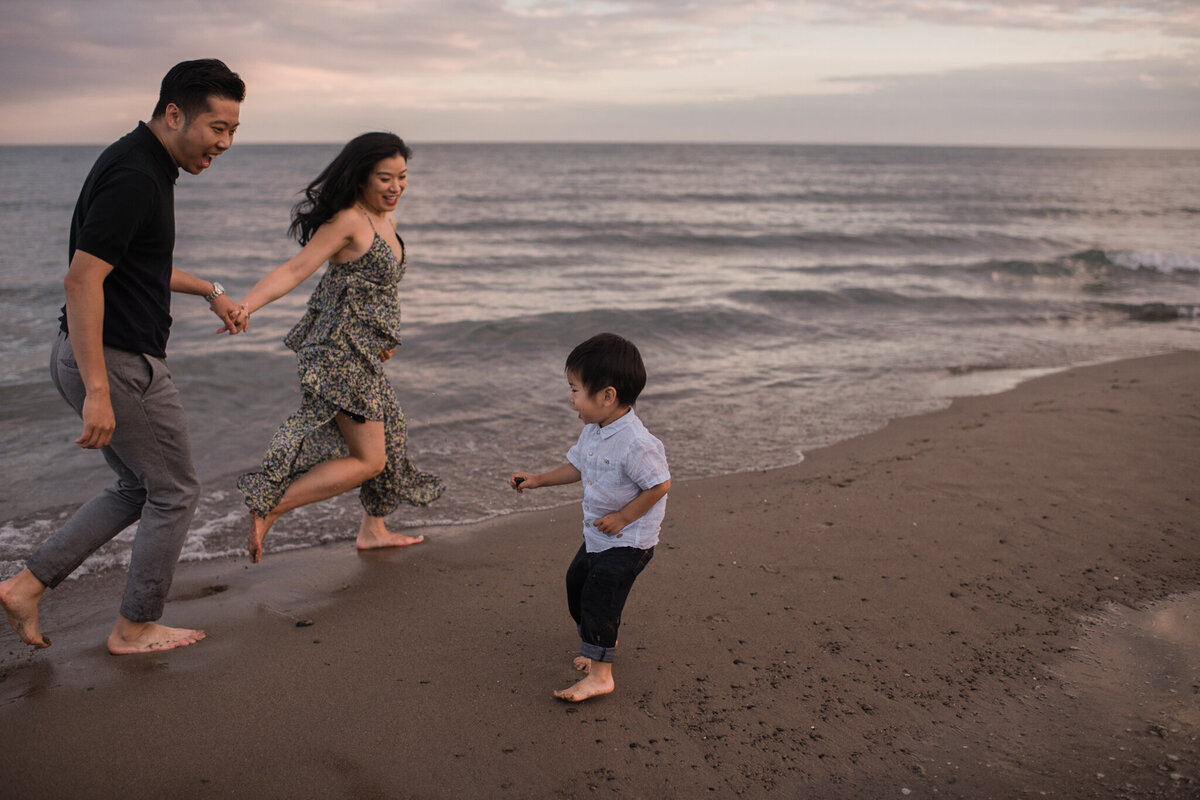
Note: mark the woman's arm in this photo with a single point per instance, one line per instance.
(330, 239)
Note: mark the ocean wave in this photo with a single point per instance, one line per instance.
(647, 237)
(834, 299)
(1097, 263)
(1157, 261)
(745, 315)
(443, 340)
(1156, 312)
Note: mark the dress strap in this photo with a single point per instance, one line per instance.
(370, 222)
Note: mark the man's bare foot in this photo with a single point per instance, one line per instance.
(20, 595)
(148, 637)
(258, 532)
(373, 534)
(590, 686)
(583, 663)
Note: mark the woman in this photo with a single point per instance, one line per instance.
(349, 430)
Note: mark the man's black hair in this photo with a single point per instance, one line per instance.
(189, 84)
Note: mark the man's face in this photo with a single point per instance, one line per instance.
(197, 141)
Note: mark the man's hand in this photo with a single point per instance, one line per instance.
(234, 318)
(98, 422)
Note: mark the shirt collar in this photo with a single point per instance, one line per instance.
(618, 425)
(161, 156)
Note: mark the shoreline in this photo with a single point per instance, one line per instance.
(992, 600)
(954, 384)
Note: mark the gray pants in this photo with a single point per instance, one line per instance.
(156, 481)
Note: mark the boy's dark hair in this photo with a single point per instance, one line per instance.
(338, 185)
(189, 84)
(607, 359)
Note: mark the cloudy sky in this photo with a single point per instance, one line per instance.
(1007, 72)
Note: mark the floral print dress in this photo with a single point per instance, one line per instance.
(352, 316)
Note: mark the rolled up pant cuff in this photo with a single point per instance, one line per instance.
(597, 653)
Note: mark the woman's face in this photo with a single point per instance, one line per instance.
(383, 187)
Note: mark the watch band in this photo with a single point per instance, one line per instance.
(217, 291)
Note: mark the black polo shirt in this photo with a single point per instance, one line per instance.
(125, 215)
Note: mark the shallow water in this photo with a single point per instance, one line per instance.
(784, 297)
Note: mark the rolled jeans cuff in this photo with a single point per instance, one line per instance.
(597, 653)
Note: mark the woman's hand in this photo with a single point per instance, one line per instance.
(224, 308)
(384, 355)
(241, 317)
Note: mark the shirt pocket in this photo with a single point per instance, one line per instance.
(606, 472)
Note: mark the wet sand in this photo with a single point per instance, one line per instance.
(998, 600)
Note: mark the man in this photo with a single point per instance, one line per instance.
(108, 360)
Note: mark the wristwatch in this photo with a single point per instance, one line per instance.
(217, 291)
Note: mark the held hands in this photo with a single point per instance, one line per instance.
(240, 318)
(235, 317)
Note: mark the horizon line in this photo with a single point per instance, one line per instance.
(679, 142)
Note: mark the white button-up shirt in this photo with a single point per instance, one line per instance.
(617, 463)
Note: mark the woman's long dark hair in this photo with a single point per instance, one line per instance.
(338, 184)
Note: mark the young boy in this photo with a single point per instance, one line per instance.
(625, 481)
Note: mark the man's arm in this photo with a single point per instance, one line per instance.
(222, 306)
(84, 286)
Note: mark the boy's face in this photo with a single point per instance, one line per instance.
(599, 408)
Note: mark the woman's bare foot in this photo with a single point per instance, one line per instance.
(373, 534)
(20, 595)
(258, 532)
(583, 663)
(147, 637)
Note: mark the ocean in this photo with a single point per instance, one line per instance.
(784, 298)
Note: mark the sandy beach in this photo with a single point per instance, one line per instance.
(998, 600)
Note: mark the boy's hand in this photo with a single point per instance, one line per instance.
(610, 524)
(521, 481)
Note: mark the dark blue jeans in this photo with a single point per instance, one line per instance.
(597, 586)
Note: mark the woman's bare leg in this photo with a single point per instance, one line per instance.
(368, 456)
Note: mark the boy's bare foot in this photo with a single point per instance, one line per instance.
(583, 663)
(590, 686)
(20, 595)
(373, 534)
(147, 637)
